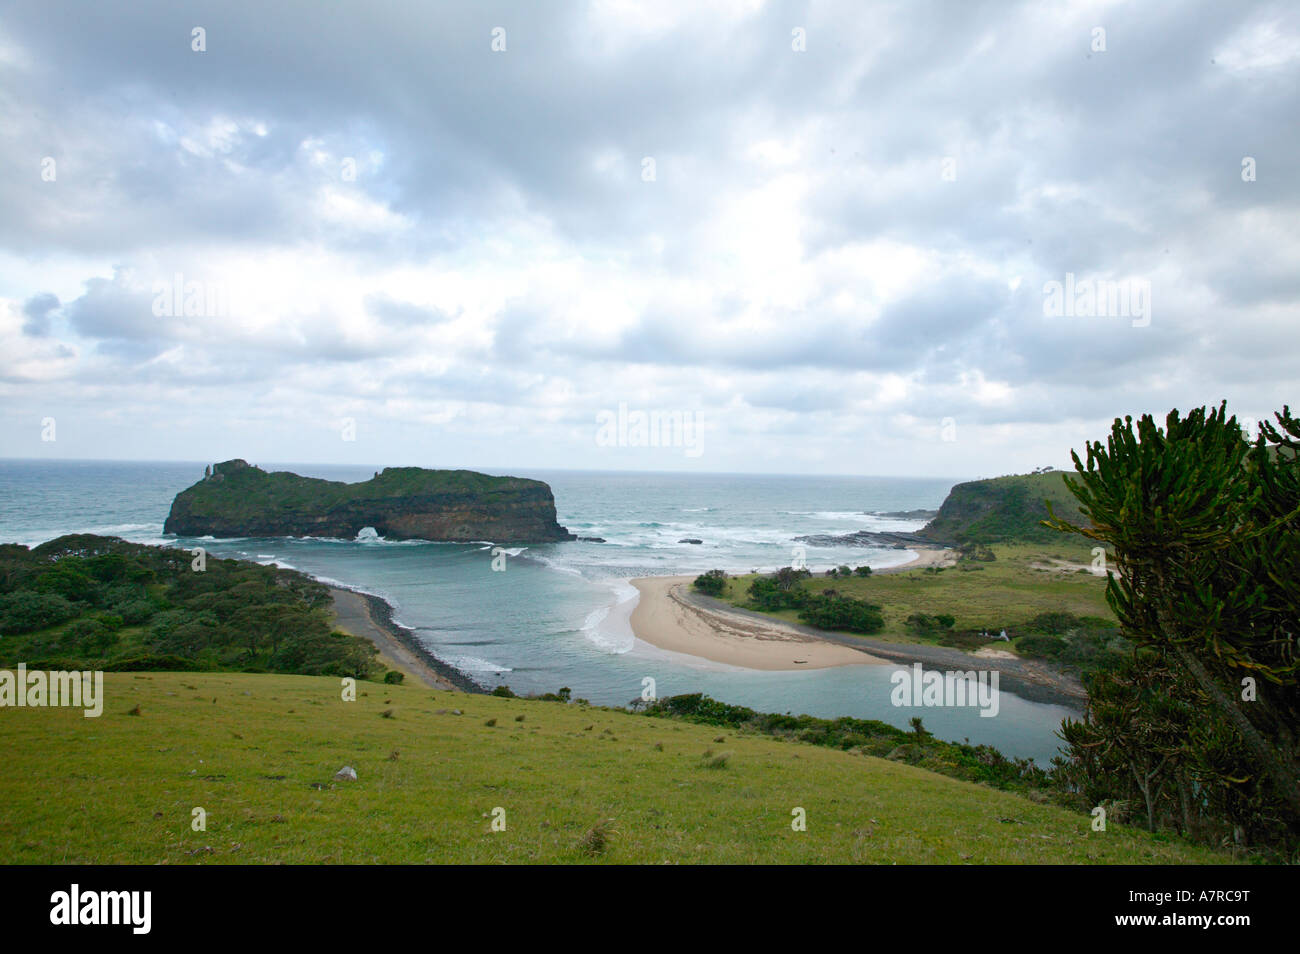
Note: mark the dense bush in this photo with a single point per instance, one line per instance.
(1041, 645)
(127, 603)
(712, 583)
(924, 624)
(135, 611)
(781, 590)
(829, 610)
(24, 611)
(1053, 624)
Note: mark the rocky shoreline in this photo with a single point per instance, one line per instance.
(894, 540)
(380, 614)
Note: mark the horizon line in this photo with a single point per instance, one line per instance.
(569, 470)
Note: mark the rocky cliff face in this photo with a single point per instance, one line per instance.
(238, 500)
(1002, 509)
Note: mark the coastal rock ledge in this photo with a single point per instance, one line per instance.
(235, 499)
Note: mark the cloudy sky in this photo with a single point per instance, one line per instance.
(467, 234)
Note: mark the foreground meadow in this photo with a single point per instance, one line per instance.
(258, 754)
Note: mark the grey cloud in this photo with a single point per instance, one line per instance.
(1122, 163)
(37, 311)
(403, 313)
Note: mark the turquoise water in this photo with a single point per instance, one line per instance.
(557, 615)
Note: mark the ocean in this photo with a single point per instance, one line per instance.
(557, 615)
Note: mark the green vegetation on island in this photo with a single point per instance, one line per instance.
(236, 499)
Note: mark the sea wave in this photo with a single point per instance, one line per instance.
(475, 664)
(609, 627)
(277, 561)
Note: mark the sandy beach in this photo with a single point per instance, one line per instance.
(664, 618)
(925, 556)
(671, 616)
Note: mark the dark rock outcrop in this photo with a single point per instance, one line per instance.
(400, 503)
(863, 538)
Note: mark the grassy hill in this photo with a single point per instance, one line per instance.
(1002, 510)
(258, 753)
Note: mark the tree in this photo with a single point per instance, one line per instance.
(1205, 529)
(712, 583)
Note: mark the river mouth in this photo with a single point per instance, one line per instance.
(554, 615)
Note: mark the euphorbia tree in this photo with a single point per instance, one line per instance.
(1205, 531)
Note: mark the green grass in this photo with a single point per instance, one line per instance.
(578, 784)
(1003, 592)
(1004, 510)
(245, 490)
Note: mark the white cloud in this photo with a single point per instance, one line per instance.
(799, 274)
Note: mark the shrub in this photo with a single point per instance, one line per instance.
(712, 583)
(787, 578)
(923, 624)
(1053, 624)
(136, 611)
(394, 677)
(832, 611)
(91, 636)
(25, 611)
(1041, 645)
(782, 590)
(151, 662)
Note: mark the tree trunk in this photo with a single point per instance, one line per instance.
(1282, 775)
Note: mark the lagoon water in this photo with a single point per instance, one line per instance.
(557, 615)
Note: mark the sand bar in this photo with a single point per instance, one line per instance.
(664, 618)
